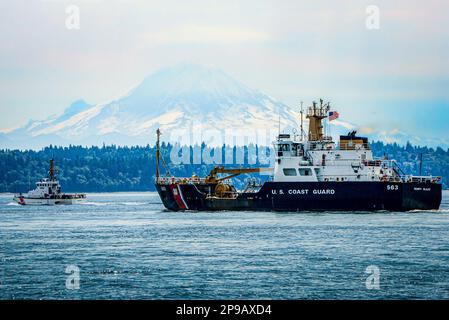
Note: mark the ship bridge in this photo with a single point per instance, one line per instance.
(319, 158)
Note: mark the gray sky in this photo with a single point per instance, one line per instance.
(393, 78)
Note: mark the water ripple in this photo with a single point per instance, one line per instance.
(128, 247)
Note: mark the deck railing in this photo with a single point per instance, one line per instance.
(179, 180)
(423, 179)
(355, 146)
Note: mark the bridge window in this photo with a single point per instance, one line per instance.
(305, 172)
(289, 171)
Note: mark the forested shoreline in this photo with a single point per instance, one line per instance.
(113, 168)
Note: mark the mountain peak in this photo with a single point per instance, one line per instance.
(170, 98)
(76, 107)
(196, 87)
(192, 78)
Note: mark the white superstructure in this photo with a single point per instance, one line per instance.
(48, 192)
(319, 159)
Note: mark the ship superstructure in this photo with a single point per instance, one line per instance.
(48, 192)
(311, 172)
(319, 159)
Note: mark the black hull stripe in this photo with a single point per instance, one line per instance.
(314, 196)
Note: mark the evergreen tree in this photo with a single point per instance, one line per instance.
(113, 168)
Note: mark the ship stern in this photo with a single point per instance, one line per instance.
(422, 196)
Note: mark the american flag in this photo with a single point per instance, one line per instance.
(333, 115)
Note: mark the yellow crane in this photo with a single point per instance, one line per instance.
(225, 190)
(233, 172)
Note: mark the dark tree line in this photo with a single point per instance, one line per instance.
(113, 168)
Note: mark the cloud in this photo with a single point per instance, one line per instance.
(343, 124)
(395, 131)
(366, 130)
(205, 34)
(292, 50)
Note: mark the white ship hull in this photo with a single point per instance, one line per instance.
(48, 193)
(46, 202)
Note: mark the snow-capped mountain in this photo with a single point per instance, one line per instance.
(181, 97)
(184, 100)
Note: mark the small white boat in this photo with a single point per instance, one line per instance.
(48, 192)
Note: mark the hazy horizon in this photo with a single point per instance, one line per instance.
(394, 78)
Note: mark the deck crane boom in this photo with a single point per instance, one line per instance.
(233, 172)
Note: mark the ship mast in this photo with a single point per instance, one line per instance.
(51, 172)
(158, 133)
(316, 114)
(159, 157)
(302, 120)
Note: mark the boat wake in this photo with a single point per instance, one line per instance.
(13, 204)
(133, 203)
(96, 203)
(433, 210)
(92, 203)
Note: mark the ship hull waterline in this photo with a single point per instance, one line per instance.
(309, 196)
(47, 202)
